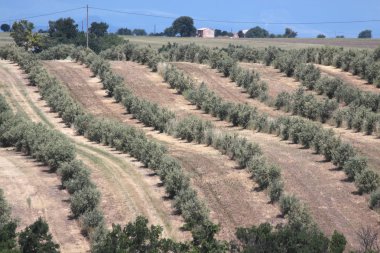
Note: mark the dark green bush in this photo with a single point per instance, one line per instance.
(367, 181)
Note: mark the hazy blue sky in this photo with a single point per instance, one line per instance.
(235, 10)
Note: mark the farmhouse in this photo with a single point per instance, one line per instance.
(205, 33)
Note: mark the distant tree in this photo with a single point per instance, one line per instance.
(241, 34)
(36, 238)
(139, 32)
(169, 32)
(22, 34)
(124, 31)
(184, 26)
(219, 33)
(63, 29)
(366, 34)
(257, 32)
(340, 36)
(5, 27)
(289, 33)
(99, 29)
(321, 36)
(42, 31)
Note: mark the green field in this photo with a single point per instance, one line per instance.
(5, 39)
(157, 42)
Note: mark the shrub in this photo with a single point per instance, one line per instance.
(341, 154)
(354, 166)
(367, 181)
(276, 188)
(265, 175)
(374, 201)
(84, 200)
(338, 243)
(175, 181)
(90, 220)
(288, 203)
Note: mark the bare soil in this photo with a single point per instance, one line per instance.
(127, 189)
(34, 192)
(213, 175)
(348, 78)
(332, 201)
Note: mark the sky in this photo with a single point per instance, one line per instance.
(253, 12)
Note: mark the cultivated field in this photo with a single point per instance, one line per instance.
(231, 190)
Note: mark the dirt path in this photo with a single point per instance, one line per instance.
(329, 197)
(226, 190)
(348, 78)
(127, 189)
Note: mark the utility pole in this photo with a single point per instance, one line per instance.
(154, 28)
(87, 27)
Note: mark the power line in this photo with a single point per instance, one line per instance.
(240, 22)
(42, 15)
(198, 19)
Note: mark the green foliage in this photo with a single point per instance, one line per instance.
(84, 200)
(63, 30)
(288, 203)
(99, 29)
(365, 34)
(338, 243)
(374, 202)
(308, 74)
(22, 34)
(342, 154)
(354, 166)
(276, 189)
(367, 181)
(7, 226)
(137, 237)
(184, 26)
(36, 238)
(5, 27)
(257, 32)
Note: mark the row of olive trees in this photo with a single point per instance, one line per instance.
(54, 150)
(191, 129)
(124, 138)
(359, 114)
(309, 134)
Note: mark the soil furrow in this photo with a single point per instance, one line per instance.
(305, 174)
(201, 162)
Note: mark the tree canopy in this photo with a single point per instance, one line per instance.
(22, 34)
(139, 32)
(99, 29)
(184, 26)
(257, 32)
(63, 29)
(5, 27)
(289, 33)
(366, 34)
(124, 31)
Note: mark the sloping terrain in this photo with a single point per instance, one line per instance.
(305, 174)
(227, 192)
(127, 189)
(348, 78)
(367, 145)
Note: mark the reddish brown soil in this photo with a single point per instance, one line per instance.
(348, 78)
(226, 191)
(324, 190)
